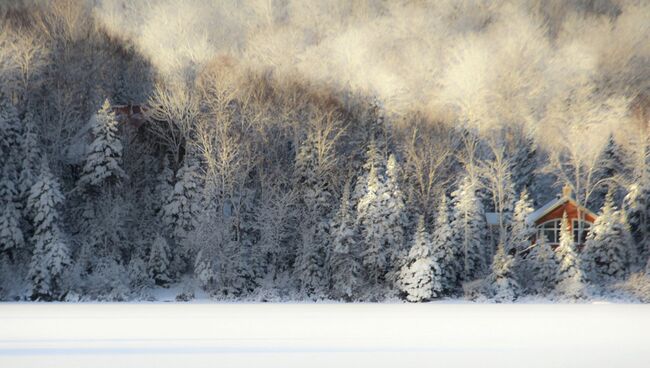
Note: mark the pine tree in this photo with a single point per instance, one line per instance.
(523, 165)
(570, 279)
(444, 249)
(164, 188)
(345, 267)
(50, 255)
(158, 265)
(521, 231)
(394, 210)
(420, 277)
(31, 154)
(11, 236)
(9, 130)
(316, 208)
(102, 165)
(636, 209)
(373, 159)
(469, 229)
(613, 165)
(541, 268)
(502, 282)
(373, 231)
(606, 254)
(181, 208)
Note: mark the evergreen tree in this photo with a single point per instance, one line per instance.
(469, 229)
(315, 201)
(50, 255)
(420, 276)
(373, 231)
(164, 188)
(613, 166)
(180, 210)
(541, 268)
(637, 209)
(158, 265)
(104, 158)
(606, 254)
(445, 249)
(345, 267)
(502, 282)
(11, 236)
(570, 279)
(523, 165)
(394, 210)
(373, 159)
(9, 130)
(521, 231)
(31, 155)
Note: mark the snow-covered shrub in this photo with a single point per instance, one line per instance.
(138, 274)
(109, 281)
(158, 264)
(638, 285)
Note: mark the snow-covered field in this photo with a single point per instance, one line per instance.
(324, 335)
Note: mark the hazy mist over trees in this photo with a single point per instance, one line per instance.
(291, 150)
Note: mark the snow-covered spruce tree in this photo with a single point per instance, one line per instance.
(523, 164)
(163, 189)
(606, 254)
(345, 268)
(395, 217)
(158, 265)
(370, 219)
(636, 206)
(103, 163)
(31, 156)
(420, 276)
(521, 232)
(181, 209)
(51, 253)
(613, 166)
(374, 158)
(570, 278)
(9, 130)
(11, 235)
(315, 209)
(468, 226)
(445, 249)
(502, 282)
(540, 268)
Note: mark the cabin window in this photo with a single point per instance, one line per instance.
(585, 230)
(550, 230)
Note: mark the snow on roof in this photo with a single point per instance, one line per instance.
(550, 206)
(492, 218)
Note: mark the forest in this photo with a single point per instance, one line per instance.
(288, 150)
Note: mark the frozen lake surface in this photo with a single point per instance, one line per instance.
(324, 335)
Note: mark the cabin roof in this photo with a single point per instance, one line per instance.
(550, 206)
(492, 218)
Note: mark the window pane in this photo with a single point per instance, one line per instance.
(550, 236)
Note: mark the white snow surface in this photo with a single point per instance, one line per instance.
(442, 334)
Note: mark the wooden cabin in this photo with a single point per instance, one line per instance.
(548, 219)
